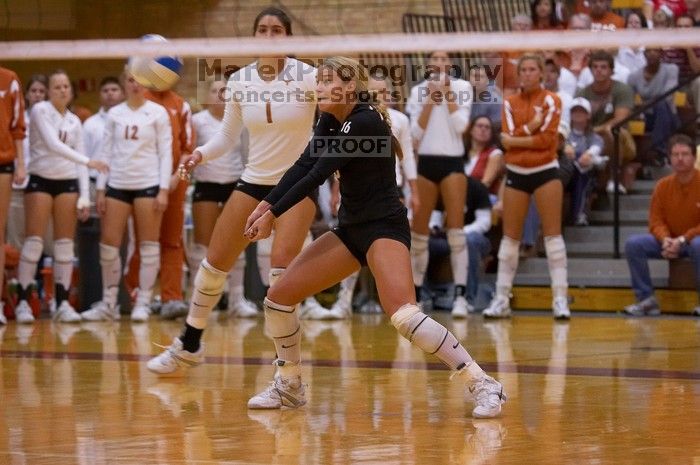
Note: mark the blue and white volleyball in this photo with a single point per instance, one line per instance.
(156, 73)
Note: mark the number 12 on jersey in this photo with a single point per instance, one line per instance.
(134, 132)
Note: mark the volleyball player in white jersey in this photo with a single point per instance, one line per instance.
(401, 128)
(58, 172)
(137, 145)
(214, 184)
(439, 108)
(274, 99)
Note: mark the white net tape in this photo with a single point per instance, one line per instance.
(349, 44)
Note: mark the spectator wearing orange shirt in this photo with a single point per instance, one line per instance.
(601, 15)
(172, 253)
(674, 226)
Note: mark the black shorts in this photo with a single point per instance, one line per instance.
(530, 182)
(259, 192)
(437, 168)
(129, 195)
(7, 168)
(53, 187)
(358, 238)
(212, 192)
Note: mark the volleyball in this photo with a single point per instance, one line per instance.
(159, 73)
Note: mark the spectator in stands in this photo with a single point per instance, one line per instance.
(655, 79)
(693, 7)
(688, 61)
(511, 82)
(602, 19)
(544, 15)
(633, 57)
(488, 99)
(673, 8)
(578, 58)
(611, 102)
(484, 158)
(662, 18)
(585, 147)
(674, 226)
(552, 78)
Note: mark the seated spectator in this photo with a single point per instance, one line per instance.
(577, 59)
(674, 8)
(488, 99)
(674, 227)
(633, 57)
(552, 78)
(655, 79)
(621, 73)
(602, 18)
(662, 18)
(484, 158)
(611, 102)
(544, 15)
(584, 147)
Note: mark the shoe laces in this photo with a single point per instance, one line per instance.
(482, 392)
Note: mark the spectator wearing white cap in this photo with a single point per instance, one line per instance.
(584, 147)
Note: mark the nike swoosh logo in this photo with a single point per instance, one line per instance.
(456, 345)
(287, 347)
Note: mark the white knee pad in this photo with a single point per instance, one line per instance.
(110, 264)
(63, 250)
(150, 252)
(275, 275)
(419, 257)
(459, 255)
(108, 253)
(556, 260)
(208, 286)
(430, 336)
(32, 248)
(282, 324)
(508, 256)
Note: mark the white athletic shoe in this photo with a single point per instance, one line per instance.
(461, 308)
(281, 392)
(488, 397)
(174, 357)
(140, 313)
(646, 307)
(101, 311)
(23, 313)
(498, 308)
(312, 310)
(342, 308)
(65, 313)
(242, 308)
(560, 308)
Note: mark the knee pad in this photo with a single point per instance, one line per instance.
(508, 249)
(108, 253)
(63, 250)
(150, 252)
(275, 275)
(209, 280)
(419, 243)
(456, 239)
(281, 321)
(195, 256)
(419, 328)
(32, 248)
(556, 251)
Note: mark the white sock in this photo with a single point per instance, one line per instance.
(282, 324)
(264, 248)
(29, 258)
(419, 257)
(508, 256)
(111, 266)
(63, 262)
(459, 256)
(148, 271)
(235, 279)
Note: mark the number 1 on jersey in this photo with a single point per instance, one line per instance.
(268, 111)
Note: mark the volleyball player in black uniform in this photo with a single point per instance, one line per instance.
(353, 139)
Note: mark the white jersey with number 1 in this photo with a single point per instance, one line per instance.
(278, 115)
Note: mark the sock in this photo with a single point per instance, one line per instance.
(111, 266)
(459, 255)
(556, 261)
(62, 268)
(419, 257)
(508, 256)
(190, 338)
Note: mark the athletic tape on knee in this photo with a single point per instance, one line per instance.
(556, 260)
(110, 263)
(63, 262)
(419, 257)
(263, 251)
(508, 256)
(208, 286)
(430, 336)
(29, 257)
(282, 324)
(459, 255)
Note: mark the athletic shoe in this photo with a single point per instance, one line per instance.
(23, 313)
(488, 397)
(174, 357)
(101, 311)
(173, 309)
(312, 310)
(696, 311)
(65, 313)
(281, 392)
(560, 308)
(646, 307)
(340, 310)
(461, 308)
(498, 308)
(140, 313)
(242, 308)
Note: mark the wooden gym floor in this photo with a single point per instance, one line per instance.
(601, 389)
